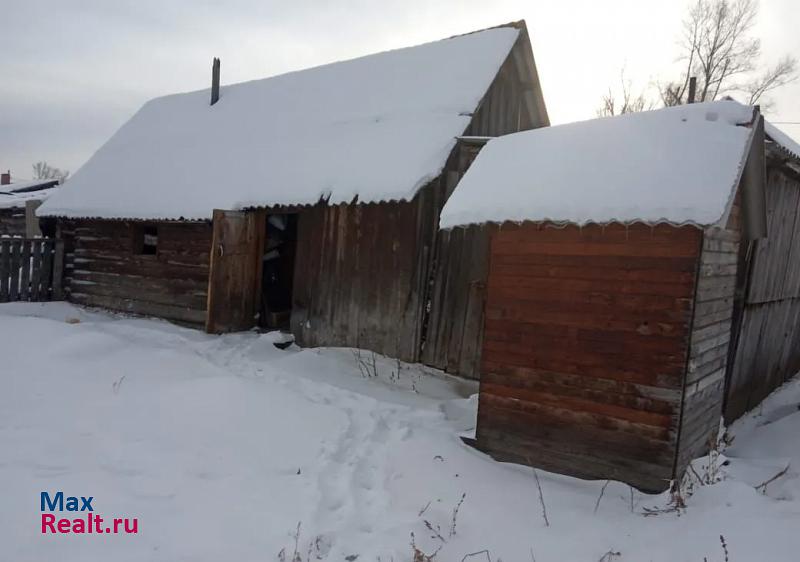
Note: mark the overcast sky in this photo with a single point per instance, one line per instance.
(72, 72)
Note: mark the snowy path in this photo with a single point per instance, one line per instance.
(222, 445)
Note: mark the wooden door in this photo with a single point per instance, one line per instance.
(234, 277)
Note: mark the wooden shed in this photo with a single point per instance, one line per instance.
(612, 269)
(307, 201)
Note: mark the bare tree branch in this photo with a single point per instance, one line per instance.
(718, 48)
(628, 102)
(784, 72)
(44, 171)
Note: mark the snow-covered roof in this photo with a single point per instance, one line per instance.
(677, 165)
(782, 139)
(377, 128)
(10, 199)
(29, 185)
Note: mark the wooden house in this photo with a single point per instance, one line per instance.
(612, 278)
(307, 201)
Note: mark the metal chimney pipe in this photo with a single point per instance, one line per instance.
(215, 81)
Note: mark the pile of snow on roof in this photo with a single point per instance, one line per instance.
(376, 128)
(9, 198)
(677, 165)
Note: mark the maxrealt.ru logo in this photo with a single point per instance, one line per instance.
(88, 522)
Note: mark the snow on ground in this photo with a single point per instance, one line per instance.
(221, 445)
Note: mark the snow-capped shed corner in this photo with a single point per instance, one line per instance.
(315, 193)
(631, 295)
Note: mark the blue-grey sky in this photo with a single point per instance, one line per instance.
(72, 72)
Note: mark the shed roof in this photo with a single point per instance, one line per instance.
(787, 143)
(10, 199)
(29, 185)
(676, 165)
(376, 128)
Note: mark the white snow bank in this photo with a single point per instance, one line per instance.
(220, 445)
(677, 165)
(377, 127)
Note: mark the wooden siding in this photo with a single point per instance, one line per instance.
(454, 326)
(508, 105)
(12, 221)
(361, 274)
(585, 347)
(768, 340)
(381, 277)
(103, 270)
(454, 334)
(710, 339)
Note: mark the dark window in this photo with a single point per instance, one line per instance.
(145, 240)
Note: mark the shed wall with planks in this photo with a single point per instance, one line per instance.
(585, 347)
(454, 328)
(704, 389)
(767, 351)
(12, 221)
(105, 269)
(361, 274)
(382, 277)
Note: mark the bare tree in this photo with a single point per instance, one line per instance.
(625, 101)
(719, 50)
(44, 171)
(784, 72)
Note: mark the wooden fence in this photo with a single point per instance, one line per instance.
(31, 269)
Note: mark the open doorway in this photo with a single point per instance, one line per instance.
(278, 271)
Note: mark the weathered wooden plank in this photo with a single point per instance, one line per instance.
(664, 249)
(14, 270)
(194, 300)
(46, 278)
(5, 269)
(555, 456)
(58, 271)
(601, 391)
(25, 276)
(579, 427)
(36, 269)
(142, 308)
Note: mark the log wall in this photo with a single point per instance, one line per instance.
(768, 341)
(103, 269)
(585, 347)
